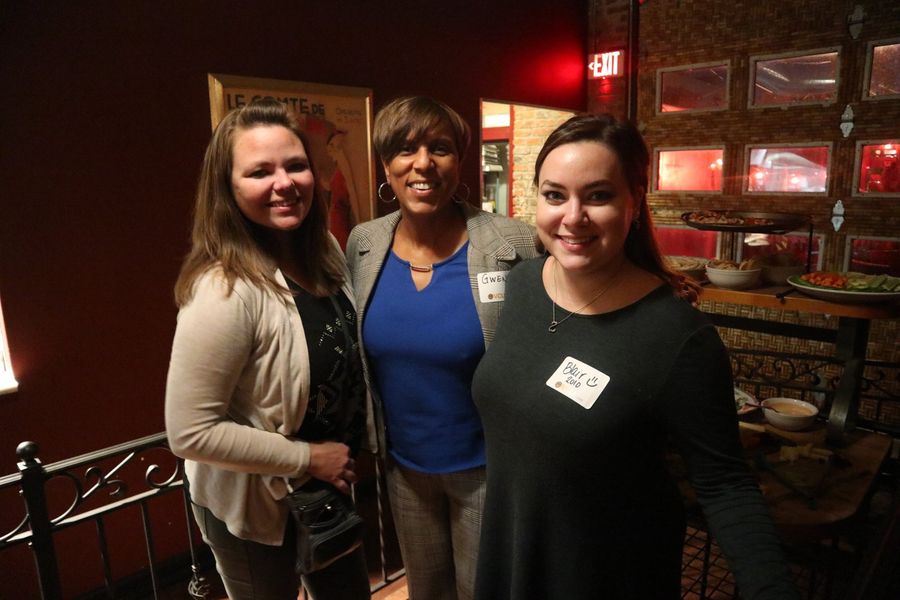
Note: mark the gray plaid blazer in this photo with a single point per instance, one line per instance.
(496, 243)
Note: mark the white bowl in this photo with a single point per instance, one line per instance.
(789, 414)
(778, 274)
(733, 279)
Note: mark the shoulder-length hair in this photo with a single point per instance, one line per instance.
(223, 237)
(624, 139)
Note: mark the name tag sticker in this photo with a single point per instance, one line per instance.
(492, 286)
(578, 381)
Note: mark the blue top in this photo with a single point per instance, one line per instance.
(423, 347)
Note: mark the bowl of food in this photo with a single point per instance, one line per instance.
(732, 275)
(776, 268)
(690, 266)
(789, 414)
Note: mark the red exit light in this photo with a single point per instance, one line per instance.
(605, 64)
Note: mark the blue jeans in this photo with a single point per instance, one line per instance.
(254, 571)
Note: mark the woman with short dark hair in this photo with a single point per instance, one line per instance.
(430, 280)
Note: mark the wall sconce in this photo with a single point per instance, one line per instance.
(8, 383)
(855, 21)
(837, 215)
(847, 121)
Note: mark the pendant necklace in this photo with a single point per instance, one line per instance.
(554, 324)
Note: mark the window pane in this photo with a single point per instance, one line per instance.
(798, 79)
(680, 241)
(885, 78)
(701, 88)
(879, 169)
(875, 256)
(694, 170)
(795, 244)
(791, 169)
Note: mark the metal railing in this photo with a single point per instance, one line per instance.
(88, 489)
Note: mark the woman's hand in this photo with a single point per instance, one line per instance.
(331, 462)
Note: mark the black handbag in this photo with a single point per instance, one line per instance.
(328, 526)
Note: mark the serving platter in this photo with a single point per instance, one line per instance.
(842, 296)
(759, 222)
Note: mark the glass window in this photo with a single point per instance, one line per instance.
(7, 379)
(692, 88)
(874, 255)
(883, 69)
(795, 244)
(683, 241)
(788, 169)
(878, 170)
(689, 170)
(807, 79)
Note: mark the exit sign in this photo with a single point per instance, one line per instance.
(605, 64)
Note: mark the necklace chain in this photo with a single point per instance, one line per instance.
(554, 324)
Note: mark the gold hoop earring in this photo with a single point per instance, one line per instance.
(465, 198)
(381, 197)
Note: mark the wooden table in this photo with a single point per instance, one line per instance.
(842, 494)
(850, 338)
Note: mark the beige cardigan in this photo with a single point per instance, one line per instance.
(237, 388)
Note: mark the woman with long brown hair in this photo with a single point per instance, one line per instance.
(263, 338)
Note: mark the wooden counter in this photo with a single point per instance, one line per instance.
(767, 298)
(850, 339)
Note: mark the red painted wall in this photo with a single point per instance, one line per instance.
(104, 116)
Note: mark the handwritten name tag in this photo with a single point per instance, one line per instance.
(578, 381)
(492, 286)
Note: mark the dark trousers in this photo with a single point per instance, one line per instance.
(254, 571)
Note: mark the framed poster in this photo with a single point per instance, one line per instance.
(337, 121)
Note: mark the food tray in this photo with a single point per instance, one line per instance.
(841, 296)
(779, 222)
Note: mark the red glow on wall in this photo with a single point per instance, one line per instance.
(606, 64)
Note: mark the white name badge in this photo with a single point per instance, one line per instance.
(578, 382)
(492, 286)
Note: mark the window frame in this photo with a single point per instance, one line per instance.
(857, 165)
(654, 172)
(756, 58)
(848, 245)
(719, 242)
(870, 56)
(820, 238)
(8, 383)
(745, 173)
(659, 76)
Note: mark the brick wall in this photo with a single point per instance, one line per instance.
(676, 33)
(683, 32)
(531, 126)
(608, 31)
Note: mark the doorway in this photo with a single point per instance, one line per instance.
(511, 136)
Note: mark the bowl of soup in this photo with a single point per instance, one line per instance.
(789, 414)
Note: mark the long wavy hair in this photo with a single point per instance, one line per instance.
(623, 138)
(223, 237)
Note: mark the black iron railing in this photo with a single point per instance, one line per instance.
(89, 488)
